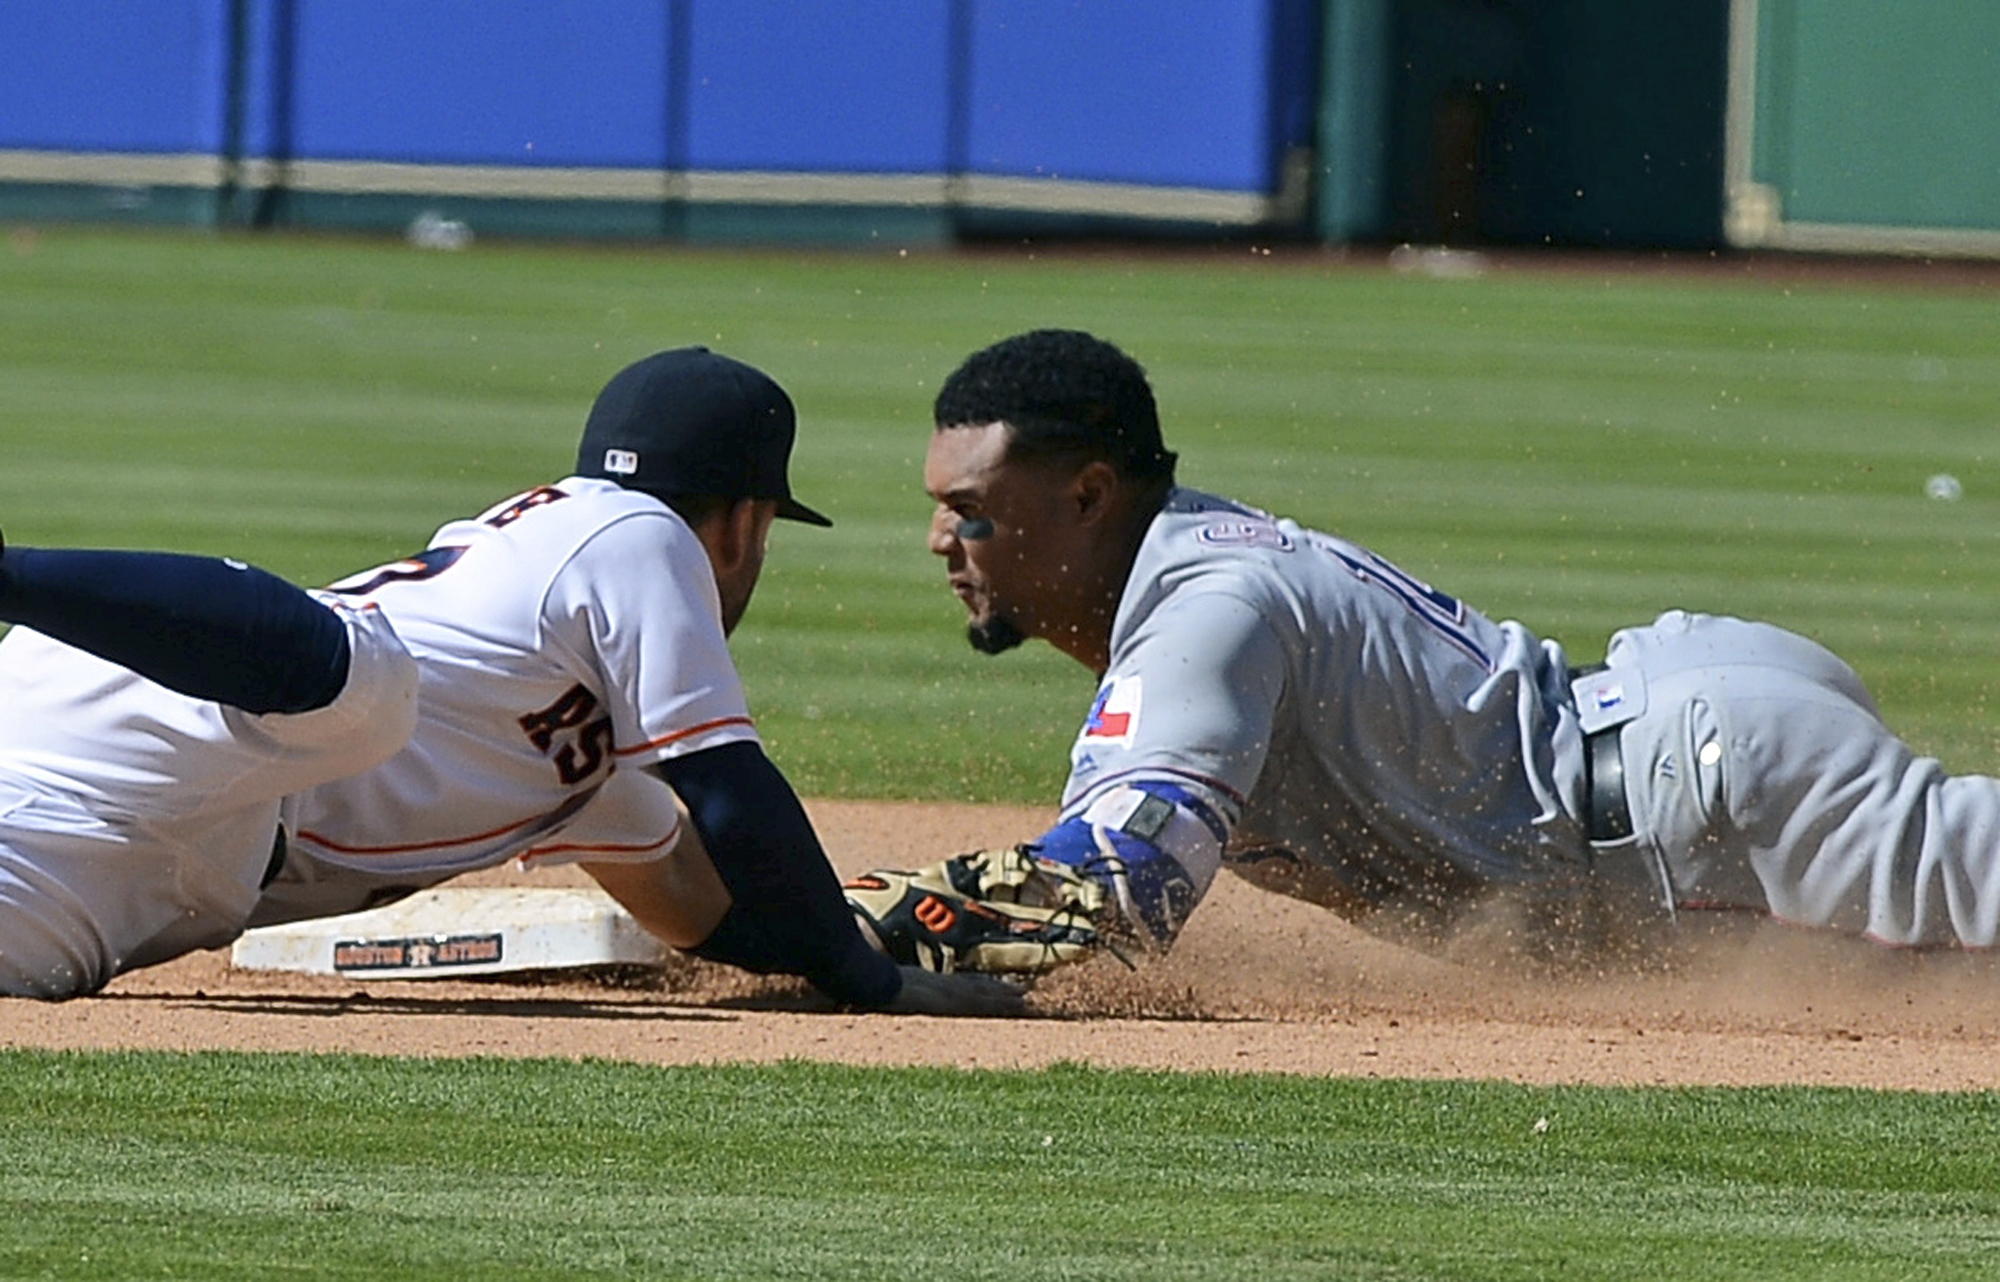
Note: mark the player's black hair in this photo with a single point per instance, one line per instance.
(1066, 394)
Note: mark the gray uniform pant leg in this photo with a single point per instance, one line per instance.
(1762, 777)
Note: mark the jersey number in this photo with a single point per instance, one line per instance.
(424, 565)
(1444, 613)
(568, 735)
(431, 562)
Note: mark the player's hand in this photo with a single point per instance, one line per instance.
(1001, 912)
(926, 992)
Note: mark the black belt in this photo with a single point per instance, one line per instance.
(1609, 814)
(1604, 783)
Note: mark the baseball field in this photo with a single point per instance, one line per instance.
(1576, 442)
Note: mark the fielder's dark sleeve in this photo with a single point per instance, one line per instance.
(203, 627)
(789, 913)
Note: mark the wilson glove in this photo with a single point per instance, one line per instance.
(997, 911)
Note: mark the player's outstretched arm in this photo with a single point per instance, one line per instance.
(680, 899)
(1129, 868)
(753, 888)
(926, 992)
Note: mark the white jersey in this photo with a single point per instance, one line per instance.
(566, 638)
(137, 823)
(1321, 700)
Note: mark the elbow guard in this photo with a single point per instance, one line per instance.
(1153, 846)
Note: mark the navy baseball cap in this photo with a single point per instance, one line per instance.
(689, 421)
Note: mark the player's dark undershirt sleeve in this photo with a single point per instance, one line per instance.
(204, 627)
(789, 913)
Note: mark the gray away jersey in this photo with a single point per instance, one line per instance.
(1323, 701)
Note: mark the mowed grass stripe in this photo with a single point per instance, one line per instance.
(1576, 449)
(228, 1165)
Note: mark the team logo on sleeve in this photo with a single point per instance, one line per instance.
(1114, 718)
(1245, 534)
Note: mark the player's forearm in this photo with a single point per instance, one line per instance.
(679, 899)
(786, 910)
(763, 942)
(697, 914)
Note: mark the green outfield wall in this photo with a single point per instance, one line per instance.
(1860, 125)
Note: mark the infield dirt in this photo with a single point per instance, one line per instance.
(1257, 983)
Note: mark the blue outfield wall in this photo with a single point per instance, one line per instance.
(788, 117)
(1569, 122)
(471, 82)
(1180, 98)
(81, 80)
(775, 86)
(110, 75)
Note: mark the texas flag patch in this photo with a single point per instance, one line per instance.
(1114, 718)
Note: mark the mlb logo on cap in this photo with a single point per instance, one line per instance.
(621, 462)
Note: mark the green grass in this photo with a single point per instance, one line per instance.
(1577, 451)
(232, 1166)
(1574, 450)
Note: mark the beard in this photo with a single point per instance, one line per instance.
(995, 635)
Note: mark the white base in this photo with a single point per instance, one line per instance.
(441, 934)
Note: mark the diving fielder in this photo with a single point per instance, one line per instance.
(191, 747)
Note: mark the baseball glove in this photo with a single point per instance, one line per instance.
(998, 911)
